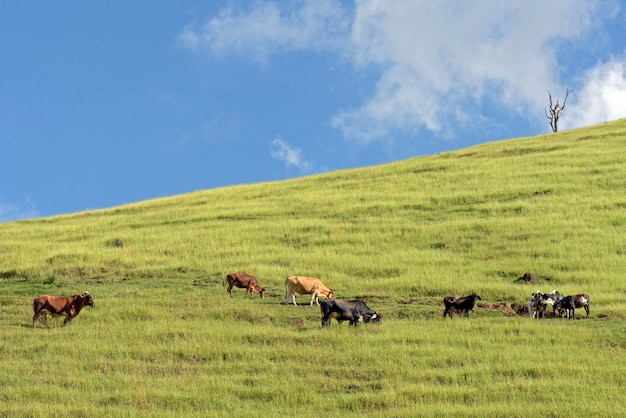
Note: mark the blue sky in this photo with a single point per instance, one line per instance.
(108, 103)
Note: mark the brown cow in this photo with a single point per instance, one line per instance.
(245, 281)
(306, 286)
(68, 306)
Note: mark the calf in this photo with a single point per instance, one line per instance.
(68, 306)
(464, 304)
(570, 303)
(354, 311)
(244, 281)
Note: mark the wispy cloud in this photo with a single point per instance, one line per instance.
(11, 211)
(291, 156)
(267, 28)
(438, 67)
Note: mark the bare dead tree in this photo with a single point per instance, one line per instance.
(555, 111)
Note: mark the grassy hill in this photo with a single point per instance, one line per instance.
(164, 339)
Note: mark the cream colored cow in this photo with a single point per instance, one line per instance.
(306, 286)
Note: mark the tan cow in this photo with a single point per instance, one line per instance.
(68, 306)
(306, 286)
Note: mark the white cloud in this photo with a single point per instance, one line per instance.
(267, 28)
(440, 64)
(291, 156)
(602, 97)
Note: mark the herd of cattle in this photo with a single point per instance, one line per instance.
(561, 305)
(354, 311)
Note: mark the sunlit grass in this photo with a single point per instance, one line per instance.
(165, 340)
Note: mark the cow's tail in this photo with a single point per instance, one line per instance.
(287, 290)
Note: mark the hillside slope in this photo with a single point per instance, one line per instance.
(473, 219)
(165, 340)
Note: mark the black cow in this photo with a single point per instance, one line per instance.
(570, 303)
(354, 311)
(462, 304)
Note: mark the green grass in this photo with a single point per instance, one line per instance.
(165, 340)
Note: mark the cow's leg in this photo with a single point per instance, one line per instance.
(35, 318)
(293, 297)
(42, 317)
(230, 290)
(249, 290)
(587, 310)
(447, 312)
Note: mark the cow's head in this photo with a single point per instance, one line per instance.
(262, 292)
(90, 301)
(376, 318)
(330, 293)
(476, 297)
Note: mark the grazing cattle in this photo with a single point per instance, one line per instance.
(570, 303)
(306, 286)
(244, 281)
(536, 307)
(538, 303)
(68, 306)
(354, 311)
(462, 304)
(551, 298)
